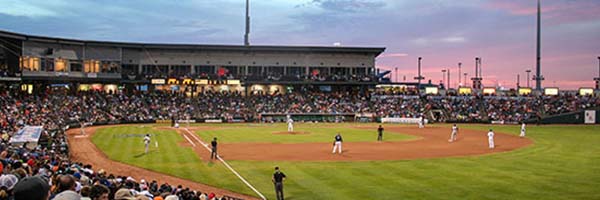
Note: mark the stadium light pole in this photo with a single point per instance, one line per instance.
(597, 79)
(448, 78)
(396, 72)
(459, 83)
(465, 77)
(419, 77)
(444, 77)
(518, 81)
(528, 71)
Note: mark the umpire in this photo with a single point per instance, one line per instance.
(278, 178)
(380, 133)
(213, 145)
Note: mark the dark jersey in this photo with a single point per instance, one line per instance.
(338, 138)
(380, 130)
(213, 144)
(278, 177)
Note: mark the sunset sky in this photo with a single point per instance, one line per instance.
(443, 32)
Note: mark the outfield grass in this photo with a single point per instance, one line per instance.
(563, 163)
(322, 132)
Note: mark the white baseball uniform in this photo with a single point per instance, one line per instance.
(421, 123)
(290, 123)
(146, 143)
(491, 139)
(454, 133)
(522, 130)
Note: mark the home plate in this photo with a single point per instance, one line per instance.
(80, 136)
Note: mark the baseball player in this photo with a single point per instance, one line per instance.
(213, 145)
(491, 139)
(290, 123)
(421, 122)
(453, 134)
(380, 133)
(337, 143)
(522, 130)
(146, 142)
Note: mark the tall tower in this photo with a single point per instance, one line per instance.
(247, 35)
(538, 68)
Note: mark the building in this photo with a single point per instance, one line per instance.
(39, 62)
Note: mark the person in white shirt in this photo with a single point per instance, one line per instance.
(290, 123)
(146, 142)
(421, 122)
(491, 139)
(453, 134)
(522, 130)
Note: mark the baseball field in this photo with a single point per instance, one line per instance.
(552, 162)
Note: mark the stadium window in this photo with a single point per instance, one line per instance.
(60, 65)
(30, 64)
(91, 66)
(47, 64)
(75, 65)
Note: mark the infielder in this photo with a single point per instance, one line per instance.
(146, 142)
(491, 139)
(337, 143)
(421, 122)
(453, 134)
(290, 123)
(522, 130)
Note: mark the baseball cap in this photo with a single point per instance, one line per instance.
(67, 195)
(124, 194)
(8, 181)
(31, 188)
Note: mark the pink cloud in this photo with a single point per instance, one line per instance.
(393, 55)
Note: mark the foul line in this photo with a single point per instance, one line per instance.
(226, 164)
(188, 139)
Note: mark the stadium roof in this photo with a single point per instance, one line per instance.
(325, 49)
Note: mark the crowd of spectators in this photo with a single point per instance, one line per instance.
(42, 171)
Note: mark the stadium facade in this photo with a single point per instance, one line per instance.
(38, 62)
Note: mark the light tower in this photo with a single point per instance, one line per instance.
(528, 71)
(459, 83)
(247, 35)
(477, 79)
(419, 77)
(598, 78)
(538, 68)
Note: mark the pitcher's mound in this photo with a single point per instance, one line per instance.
(291, 133)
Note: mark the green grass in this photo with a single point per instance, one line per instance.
(563, 163)
(317, 133)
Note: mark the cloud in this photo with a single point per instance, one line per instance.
(393, 55)
(344, 5)
(19, 8)
(453, 39)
